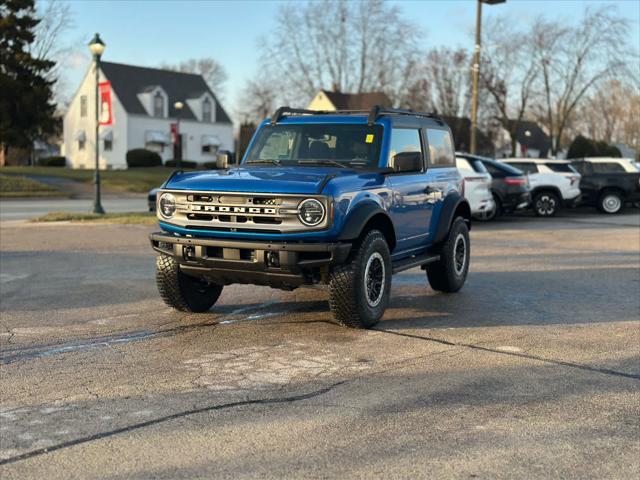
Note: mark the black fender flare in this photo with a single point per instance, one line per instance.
(358, 219)
(454, 202)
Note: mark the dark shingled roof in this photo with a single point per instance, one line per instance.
(538, 140)
(357, 101)
(128, 81)
(461, 130)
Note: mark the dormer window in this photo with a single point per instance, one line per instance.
(206, 110)
(158, 105)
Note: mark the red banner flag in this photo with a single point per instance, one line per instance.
(106, 113)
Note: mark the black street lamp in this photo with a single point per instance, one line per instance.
(96, 45)
(178, 147)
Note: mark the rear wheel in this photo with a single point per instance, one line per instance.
(359, 290)
(610, 202)
(498, 211)
(182, 292)
(450, 272)
(546, 204)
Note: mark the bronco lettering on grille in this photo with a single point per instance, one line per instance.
(223, 209)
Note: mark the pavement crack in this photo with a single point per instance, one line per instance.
(525, 355)
(186, 413)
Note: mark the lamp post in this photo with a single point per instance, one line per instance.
(178, 150)
(475, 71)
(96, 45)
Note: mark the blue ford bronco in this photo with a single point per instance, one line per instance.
(343, 198)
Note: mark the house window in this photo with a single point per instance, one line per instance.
(83, 106)
(206, 110)
(158, 105)
(81, 144)
(209, 149)
(108, 145)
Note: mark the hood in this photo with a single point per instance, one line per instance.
(304, 180)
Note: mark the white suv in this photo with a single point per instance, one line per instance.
(477, 188)
(554, 183)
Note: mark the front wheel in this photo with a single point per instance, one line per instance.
(545, 204)
(182, 292)
(450, 272)
(359, 290)
(610, 202)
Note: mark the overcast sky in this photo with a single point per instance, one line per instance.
(151, 32)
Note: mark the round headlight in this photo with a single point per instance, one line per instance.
(311, 212)
(167, 205)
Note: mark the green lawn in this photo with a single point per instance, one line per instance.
(128, 217)
(137, 180)
(16, 186)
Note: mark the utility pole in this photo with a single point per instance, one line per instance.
(475, 71)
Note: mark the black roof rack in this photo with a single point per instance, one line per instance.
(373, 114)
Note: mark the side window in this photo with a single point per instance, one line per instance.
(405, 152)
(525, 166)
(608, 167)
(440, 148)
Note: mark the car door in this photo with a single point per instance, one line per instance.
(410, 212)
(443, 178)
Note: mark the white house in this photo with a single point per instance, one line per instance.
(137, 111)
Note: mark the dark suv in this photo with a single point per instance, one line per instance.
(345, 198)
(608, 183)
(510, 186)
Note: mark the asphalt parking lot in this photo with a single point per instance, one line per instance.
(532, 371)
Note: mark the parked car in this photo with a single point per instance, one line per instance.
(477, 188)
(151, 199)
(344, 198)
(608, 183)
(509, 186)
(554, 184)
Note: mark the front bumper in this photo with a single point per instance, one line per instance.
(277, 264)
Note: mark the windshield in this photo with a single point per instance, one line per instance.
(342, 145)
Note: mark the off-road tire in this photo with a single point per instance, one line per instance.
(546, 204)
(446, 275)
(611, 202)
(182, 292)
(347, 291)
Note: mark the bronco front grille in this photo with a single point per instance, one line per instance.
(245, 212)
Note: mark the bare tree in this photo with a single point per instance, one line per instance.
(508, 74)
(573, 60)
(611, 114)
(55, 20)
(258, 101)
(348, 46)
(445, 76)
(210, 69)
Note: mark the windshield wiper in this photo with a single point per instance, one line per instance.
(323, 161)
(272, 161)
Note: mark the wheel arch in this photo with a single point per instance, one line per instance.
(455, 205)
(546, 188)
(365, 218)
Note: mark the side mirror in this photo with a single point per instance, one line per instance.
(407, 162)
(223, 159)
